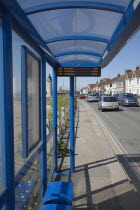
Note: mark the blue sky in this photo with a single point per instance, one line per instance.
(128, 58)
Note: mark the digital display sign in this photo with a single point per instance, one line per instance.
(79, 71)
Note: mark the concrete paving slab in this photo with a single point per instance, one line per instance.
(100, 183)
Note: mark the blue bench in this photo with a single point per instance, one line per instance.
(58, 195)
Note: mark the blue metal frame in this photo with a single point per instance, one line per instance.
(78, 53)
(2, 144)
(24, 104)
(74, 4)
(90, 38)
(8, 109)
(43, 123)
(25, 150)
(82, 63)
(3, 198)
(54, 101)
(72, 123)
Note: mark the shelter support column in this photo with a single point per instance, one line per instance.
(7, 109)
(72, 136)
(54, 100)
(43, 122)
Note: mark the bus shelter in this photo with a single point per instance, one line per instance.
(71, 36)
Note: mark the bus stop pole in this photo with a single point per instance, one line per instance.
(54, 101)
(72, 139)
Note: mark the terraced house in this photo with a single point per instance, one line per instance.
(129, 82)
(132, 81)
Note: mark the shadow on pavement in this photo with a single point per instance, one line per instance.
(131, 164)
(101, 198)
(95, 165)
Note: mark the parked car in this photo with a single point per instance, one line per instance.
(116, 95)
(81, 97)
(93, 97)
(86, 95)
(126, 99)
(102, 95)
(108, 103)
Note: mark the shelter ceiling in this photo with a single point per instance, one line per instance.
(79, 32)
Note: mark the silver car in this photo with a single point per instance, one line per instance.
(93, 98)
(108, 103)
(126, 99)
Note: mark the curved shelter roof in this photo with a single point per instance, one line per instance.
(85, 32)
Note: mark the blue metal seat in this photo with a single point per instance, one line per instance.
(55, 206)
(58, 195)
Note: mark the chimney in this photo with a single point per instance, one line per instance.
(137, 68)
(127, 71)
(118, 75)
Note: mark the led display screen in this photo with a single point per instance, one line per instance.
(79, 71)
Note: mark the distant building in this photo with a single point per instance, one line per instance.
(63, 92)
(127, 83)
(132, 81)
(136, 81)
(107, 86)
(91, 88)
(113, 86)
(102, 84)
(120, 83)
(81, 91)
(85, 90)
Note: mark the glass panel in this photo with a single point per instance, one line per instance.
(33, 84)
(48, 98)
(30, 3)
(1, 103)
(17, 42)
(67, 22)
(28, 193)
(78, 57)
(50, 155)
(77, 45)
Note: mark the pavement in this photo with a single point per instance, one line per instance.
(125, 131)
(100, 180)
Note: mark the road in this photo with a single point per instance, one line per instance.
(124, 125)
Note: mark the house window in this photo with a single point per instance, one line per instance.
(129, 82)
(137, 81)
(138, 91)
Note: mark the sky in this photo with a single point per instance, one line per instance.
(128, 58)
